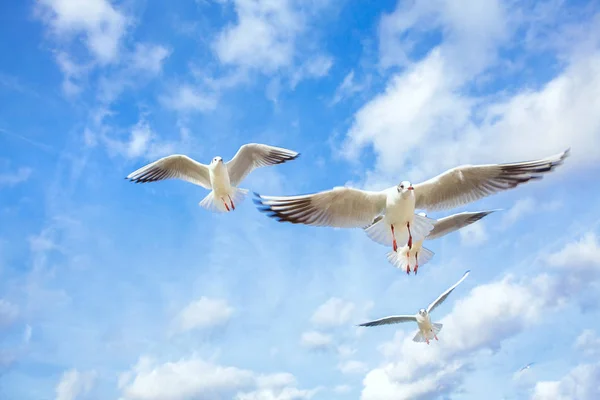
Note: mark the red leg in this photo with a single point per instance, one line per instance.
(435, 336)
(409, 236)
(417, 261)
(394, 244)
(427, 340)
(231, 201)
(226, 206)
(407, 263)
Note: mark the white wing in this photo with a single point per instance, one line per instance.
(253, 155)
(394, 319)
(445, 295)
(176, 166)
(444, 226)
(340, 207)
(468, 183)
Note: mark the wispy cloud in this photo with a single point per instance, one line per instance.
(14, 178)
(204, 313)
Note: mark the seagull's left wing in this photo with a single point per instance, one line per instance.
(445, 295)
(465, 184)
(395, 319)
(446, 225)
(254, 155)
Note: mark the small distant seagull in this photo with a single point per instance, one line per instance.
(219, 177)
(526, 367)
(427, 329)
(419, 255)
(345, 207)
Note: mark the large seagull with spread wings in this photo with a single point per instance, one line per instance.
(345, 207)
(220, 178)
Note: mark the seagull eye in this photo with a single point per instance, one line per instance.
(401, 186)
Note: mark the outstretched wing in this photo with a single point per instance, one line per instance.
(176, 166)
(445, 295)
(340, 207)
(468, 183)
(394, 319)
(444, 226)
(254, 155)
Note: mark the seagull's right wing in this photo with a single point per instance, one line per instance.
(340, 207)
(394, 319)
(468, 183)
(445, 295)
(176, 166)
(446, 225)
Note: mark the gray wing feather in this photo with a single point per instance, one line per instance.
(446, 225)
(395, 319)
(445, 295)
(176, 166)
(254, 155)
(465, 184)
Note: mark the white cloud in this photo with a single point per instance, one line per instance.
(14, 178)
(428, 112)
(496, 311)
(142, 142)
(581, 383)
(186, 98)
(204, 313)
(525, 206)
(74, 384)
(347, 88)
(8, 313)
(195, 378)
(579, 261)
(99, 21)
(315, 340)
(263, 37)
(584, 253)
(341, 389)
(473, 235)
(316, 67)
(588, 343)
(149, 57)
(352, 367)
(333, 312)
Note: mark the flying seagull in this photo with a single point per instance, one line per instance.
(427, 330)
(220, 178)
(345, 207)
(526, 367)
(419, 255)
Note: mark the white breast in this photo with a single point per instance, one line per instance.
(219, 179)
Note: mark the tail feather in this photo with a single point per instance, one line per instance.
(419, 338)
(398, 258)
(210, 203)
(420, 227)
(425, 255)
(381, 232)
(437, 327)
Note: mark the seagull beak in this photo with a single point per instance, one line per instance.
(411, 188)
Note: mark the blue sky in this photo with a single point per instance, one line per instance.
(111, 290)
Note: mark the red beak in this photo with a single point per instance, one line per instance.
(411, 188)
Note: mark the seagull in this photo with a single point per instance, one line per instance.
(526, 367)
(346, 207)
(220, 178)
(427, 329)
(419, 255)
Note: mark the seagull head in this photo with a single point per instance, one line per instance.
(405, 187)
(422, 312)
(216, 160)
